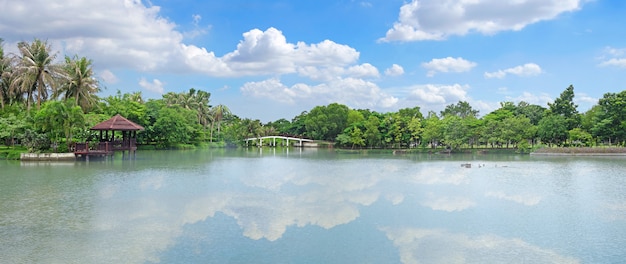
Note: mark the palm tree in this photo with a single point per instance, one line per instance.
(218, 113)
(202, 107)
(79, 83)
(5, 70)
(36, 71)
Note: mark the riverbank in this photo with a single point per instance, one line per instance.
(432, 151)
(579, 151)
(47, 157)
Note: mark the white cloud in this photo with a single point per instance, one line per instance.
(528, 69)
(438, 20)
(614, 51)
(440, 246)
(617, 62)
(538, 99)
(613, 57)
(429, 94)
(108, 76)
(131, 34)
(197, 30)
(365, 70)
(355, 93)
(155, 86)
(394, 70)
(448, 64)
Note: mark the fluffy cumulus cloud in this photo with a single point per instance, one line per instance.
(448, 64)
(131, 34)
(430, 94)
(394, 70)
(355, 93)
(154, 86)
(437, 20)
(528, 69)
(328, 73)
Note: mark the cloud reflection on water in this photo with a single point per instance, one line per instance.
(440, 246)
(149, 213)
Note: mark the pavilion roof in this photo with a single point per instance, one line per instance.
(118, 123)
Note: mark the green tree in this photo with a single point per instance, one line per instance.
(36, 71)
(356, 137)
(461, 109)
(174, 125)
(433, 132)
(534, 112)
(610, 119)
(130, 106)
(580, 137)
(60, 119)
(415, 129)
(218, 112)
(565, 107)
(326, 122)
(552, 129)
(79, 83)
(455, 131)
(372, 135)
(12, 127)
(6, 69)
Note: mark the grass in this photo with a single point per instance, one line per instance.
(11, 153)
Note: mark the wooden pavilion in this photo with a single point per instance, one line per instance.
(108, 143)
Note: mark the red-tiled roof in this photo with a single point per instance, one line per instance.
(118, 123)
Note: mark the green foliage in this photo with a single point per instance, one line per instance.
(60, 119)
(552, 129)
(326, 122)
(461, 109)
(174, 125)
(11, 128)
(35, 142)
(580, 138)
(564, 106)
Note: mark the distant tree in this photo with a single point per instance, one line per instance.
(372, 135)
(433, 132)
(326, 122)
(218, 112)
(461, 109)
(552, 129)
(565, 107)
(610, 119)
(534, 112)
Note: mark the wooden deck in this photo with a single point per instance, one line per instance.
(104, 149)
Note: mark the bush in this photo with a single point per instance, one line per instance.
(36, 142)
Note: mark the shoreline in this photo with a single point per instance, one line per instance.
(576, 154)
(580, 151)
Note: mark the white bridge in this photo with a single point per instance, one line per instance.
(273, 143)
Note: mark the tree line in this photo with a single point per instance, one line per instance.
(45, 104)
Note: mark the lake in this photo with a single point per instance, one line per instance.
(314, 206)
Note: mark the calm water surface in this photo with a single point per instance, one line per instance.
(314, 206)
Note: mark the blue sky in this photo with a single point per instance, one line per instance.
(274, 59)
